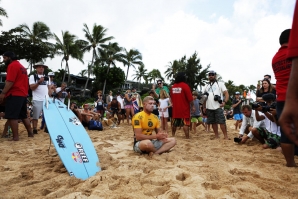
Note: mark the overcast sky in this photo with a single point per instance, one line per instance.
(237, 37)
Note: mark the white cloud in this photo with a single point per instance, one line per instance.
(239, 45)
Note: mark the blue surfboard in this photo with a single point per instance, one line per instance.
(71, 140)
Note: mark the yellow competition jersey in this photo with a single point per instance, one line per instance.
(146, 122)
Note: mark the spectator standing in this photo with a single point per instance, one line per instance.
(164, 104)
(214, 104)
(237, 110)
(196, 118)
(15, 91)
(63, 92)
(266, 88)
(40, 89)
(121, 101)
(182, 101)
(288, 119)
(128, 100)
(156, 104)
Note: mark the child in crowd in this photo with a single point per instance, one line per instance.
(196, 118)
(164, 104)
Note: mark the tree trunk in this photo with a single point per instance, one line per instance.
(104, 85)
(89, 71)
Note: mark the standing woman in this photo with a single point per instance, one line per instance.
(164, 104)
(99, 104)
(266, 88)
(128, 100)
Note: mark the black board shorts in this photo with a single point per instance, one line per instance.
(16, 107)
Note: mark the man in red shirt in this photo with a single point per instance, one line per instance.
(182, 101)
(15, 91)
(289, 117)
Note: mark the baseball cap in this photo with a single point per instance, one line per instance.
(212, 71)
(51, 74)
(237, 93)
(9, 54)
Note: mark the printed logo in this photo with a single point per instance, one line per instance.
(81, 152)
(76, 157)
(150, 124)
(71, 173)
(60, 141)
(137, 122)
(176, 90)
(75, 121)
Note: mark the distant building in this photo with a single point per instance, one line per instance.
(77, 85)
(129, 84)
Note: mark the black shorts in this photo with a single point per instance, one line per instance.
(16, 107)
(123, 111)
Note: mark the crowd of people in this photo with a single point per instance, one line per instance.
(272, 119)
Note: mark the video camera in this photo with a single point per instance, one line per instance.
(266, 97)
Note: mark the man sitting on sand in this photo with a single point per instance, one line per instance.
(87, 115)
(143, 124)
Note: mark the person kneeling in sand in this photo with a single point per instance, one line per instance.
(249, 125)
(143, 124)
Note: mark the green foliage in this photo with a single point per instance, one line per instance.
(114, 79)
(196, 75)
(13, 40)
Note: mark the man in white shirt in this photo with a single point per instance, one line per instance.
(39, 85)
(62, 92)
(249, 124)
(214, 103)
(121, 101)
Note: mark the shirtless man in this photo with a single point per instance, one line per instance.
(87, 115)
(114, 107)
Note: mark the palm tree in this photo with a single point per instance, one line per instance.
(252, 88)
(83, 73)
(2, 13)
(173, 68)
(154, 74)
(94, 39)
(38, 35)
(109, 54)
(131, 58)
(139, 74)
(68, 47)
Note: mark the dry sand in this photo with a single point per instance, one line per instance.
(202, 167)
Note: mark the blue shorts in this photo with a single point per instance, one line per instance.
(156, 143)
(238, 116)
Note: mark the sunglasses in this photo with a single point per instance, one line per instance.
(211, 74)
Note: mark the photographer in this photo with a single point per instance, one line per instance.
(236, 110)
(39, 85)
(63, 92)
(249, 125)
(269, 136)
(214, 103)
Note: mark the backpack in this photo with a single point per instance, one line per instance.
(29, 89)
(95, 125)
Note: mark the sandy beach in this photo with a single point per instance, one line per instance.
(202, 167)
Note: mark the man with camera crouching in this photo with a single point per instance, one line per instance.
(269, 136)
(214, 103)
(40, 87)
(249, 124)
(63, 92)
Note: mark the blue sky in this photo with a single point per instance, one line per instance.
(237, 37)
